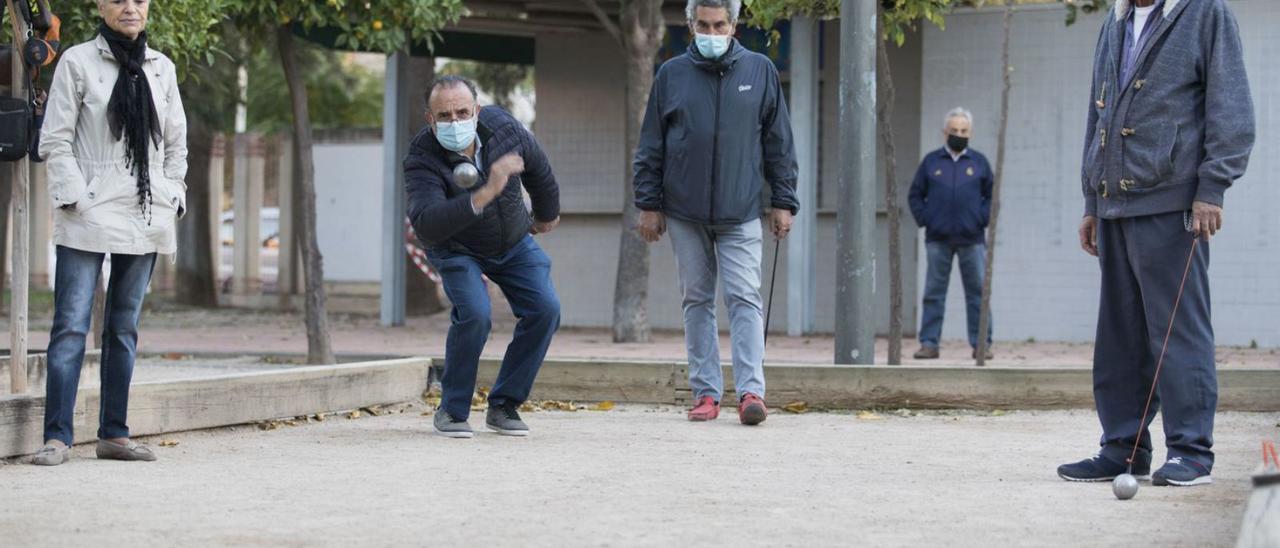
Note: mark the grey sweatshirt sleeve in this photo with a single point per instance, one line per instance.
(1229, 120)
(647, 169)
(1091, 132)
(779, 147)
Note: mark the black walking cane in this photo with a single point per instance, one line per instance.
(773, 281)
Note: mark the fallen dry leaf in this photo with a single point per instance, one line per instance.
(603, 406)
(174, 355)
(998, 413)
(868, 416)
(319, 417)
(168, 443)
(354, 414)
(796, 407)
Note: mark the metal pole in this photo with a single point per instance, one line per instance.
(804, 121)
(855, 223)
(21, 239)
(395, 133)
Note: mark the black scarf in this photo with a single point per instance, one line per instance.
(131, 111)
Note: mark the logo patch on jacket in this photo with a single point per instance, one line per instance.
(746, 87)
(969, 171)
(937, 173)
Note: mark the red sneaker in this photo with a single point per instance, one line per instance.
(752, 411)
(707, 409)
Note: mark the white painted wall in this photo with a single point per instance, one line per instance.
(348, 203)
(1045, 286)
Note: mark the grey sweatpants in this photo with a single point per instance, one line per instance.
(731, 253)
(1143, 260)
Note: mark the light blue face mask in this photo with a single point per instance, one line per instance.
(711, 46)
(456, 136)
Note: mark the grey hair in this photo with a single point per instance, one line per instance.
(734, 7)
(958, 112)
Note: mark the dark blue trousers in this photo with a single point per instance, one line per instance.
(524, 275)
(1143, 260)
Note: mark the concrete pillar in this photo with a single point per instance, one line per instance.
(805, 77)
(41, 221)
(395, 138)
(856, 214)
(248, 190)
(217, 187)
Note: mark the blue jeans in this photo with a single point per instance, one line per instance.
(730, 254)
(75, 279)
(524, 275)
(973, 260)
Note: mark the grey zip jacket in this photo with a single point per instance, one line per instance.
(1182, 127)
(714, 133)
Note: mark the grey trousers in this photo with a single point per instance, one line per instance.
(1143, 260)
(731, 253)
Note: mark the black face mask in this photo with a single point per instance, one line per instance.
(957, 144)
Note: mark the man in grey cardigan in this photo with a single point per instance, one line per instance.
(1170, 128)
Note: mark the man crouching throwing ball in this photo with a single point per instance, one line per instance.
(482, 227)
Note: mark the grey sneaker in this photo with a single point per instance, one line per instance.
(449, 427)
(505, 420)
(51, 455)
(131, 451)
(927, 353)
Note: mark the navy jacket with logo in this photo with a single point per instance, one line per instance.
(951, 199)
(714, 133)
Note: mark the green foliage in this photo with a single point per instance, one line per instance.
(903, 15)
(184, 30)
(497, 79)
(384, 25)
(898, 18)
(340, 93)
(1086, 6)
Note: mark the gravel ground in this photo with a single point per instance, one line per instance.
(634, 476)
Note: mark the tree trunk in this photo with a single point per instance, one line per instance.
(884, 119)
(984, 318)
(319, 350)
(197, 283)
(642, 31)
(422, 296)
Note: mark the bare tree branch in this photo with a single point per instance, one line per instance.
(604, 19)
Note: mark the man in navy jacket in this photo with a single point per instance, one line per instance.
(951, 199)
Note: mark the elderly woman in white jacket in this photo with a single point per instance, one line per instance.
(115, 142)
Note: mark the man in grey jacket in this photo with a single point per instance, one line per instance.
(715, 131)
(1170, 128)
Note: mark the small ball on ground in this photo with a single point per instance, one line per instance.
(1125, 486)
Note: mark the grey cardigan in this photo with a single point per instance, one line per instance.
(1182, 128)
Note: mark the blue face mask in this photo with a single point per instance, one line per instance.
(712, 46)
(456, 136)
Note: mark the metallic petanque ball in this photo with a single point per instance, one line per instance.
(465, 175)
(1125, 486)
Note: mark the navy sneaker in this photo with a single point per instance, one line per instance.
(1181, 472)
(1100, 468)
